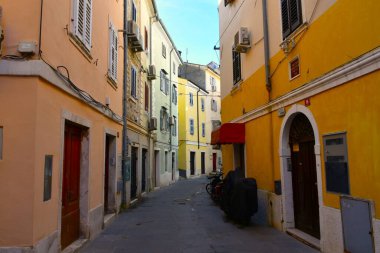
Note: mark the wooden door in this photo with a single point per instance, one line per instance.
(304, 177)
(106, 174)
(143, 170)
(203, 163)
(192, 163)
(134, 173)
(214, 162)
(71, 185)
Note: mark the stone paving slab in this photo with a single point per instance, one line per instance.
(182, 218)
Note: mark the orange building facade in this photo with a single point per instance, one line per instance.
(61, 82)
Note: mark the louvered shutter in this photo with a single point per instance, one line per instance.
(162, 119)
(83, 21)
(166, 86)
(112, 62)
(285, 18)
(88, 24)
(162, 81)
(79, 18)
(295, 14)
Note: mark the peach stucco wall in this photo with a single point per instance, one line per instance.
(32, 129)
(32, 120)
(16, 168)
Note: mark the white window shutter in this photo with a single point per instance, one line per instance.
(112, 61)
(79, 18)
(88, 23)
(115, 53)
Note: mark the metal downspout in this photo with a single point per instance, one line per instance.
(124, 135)
(40, 32)
(266, 49)
(170, 97)
(150, 106)
(198, 115)
(268, 81)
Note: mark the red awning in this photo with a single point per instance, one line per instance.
(229, 133)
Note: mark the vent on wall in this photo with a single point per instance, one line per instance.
(294, 68)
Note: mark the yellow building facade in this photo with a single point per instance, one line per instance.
(193, 148)
(303, 77)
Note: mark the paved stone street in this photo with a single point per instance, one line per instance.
(181, 218)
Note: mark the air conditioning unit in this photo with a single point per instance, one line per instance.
(152, 72)
(171, 121)
(134, 36)
(153, 124)
(242, 40)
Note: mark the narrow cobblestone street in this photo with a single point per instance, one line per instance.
(181, 218)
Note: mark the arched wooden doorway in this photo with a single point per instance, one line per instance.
(304, 176)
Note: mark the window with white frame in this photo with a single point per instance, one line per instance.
(202, 104)
(133, 82)
(212, 83)
(191, 99)
(291, 13)
(191, 126)
(174, 95)
(203, 129)
(164, 119)
(174, 68)
(82, 19)
(112, 61)
(174, 127)
(164, 82)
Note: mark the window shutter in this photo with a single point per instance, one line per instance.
(79, 18)
(295, 14)
(88, 24)
(166, 86)
(285, 18)
(162, 81)
(115, 52)
(112, 71)
(133, 82)
(162, 119)
(146, 97)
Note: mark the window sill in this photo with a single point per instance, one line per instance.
(289, 43)
(236, 87)
(112, 82)
(132, 98)
(81, 47)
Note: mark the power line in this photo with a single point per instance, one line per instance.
(228, 25)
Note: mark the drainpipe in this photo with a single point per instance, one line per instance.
(198, 114)
(268, 80)
(40, 34)
(124, 135)
(266, 49)
(151, 99)
(170, 96)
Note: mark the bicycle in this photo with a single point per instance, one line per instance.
(214, 187)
